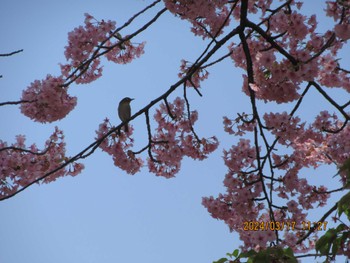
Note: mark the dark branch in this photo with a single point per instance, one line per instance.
(323, 218)
(11, 54)
(15, 102)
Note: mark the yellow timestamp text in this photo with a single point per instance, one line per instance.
(317, 226)
(284, 225)
(268, 225)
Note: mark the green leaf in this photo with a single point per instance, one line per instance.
(277, 251)
(331, 233)
(340, 241)
(261, 257)
(221, 260)
(347, 212)
(344, 237)
(289, 256)
(344, 203)
(235, 253)
(271, 254)
(248, 254)
(292, 260)
(324, 243)
(345, 167)
(341, 227)
(335, 247)
(289, 252)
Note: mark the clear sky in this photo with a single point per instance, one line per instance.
(103, 214)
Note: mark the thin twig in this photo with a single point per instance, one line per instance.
(149, 137)
(217, 61)
(11, 53)
(168, 108)
(189, 115)
(195, 88)
(15, 102)
(26, 150)
(323, 218)
(83, 67)
(328, 98)
(171, 89)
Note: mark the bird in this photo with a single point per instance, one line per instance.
(124, 111)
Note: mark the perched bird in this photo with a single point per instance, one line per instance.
(124, 111)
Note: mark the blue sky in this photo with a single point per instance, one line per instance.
(103, 214)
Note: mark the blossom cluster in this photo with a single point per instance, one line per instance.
(47, 100)
(310, 146)
(83, 43)
(194, 78)
(119, 147)
(278, 79)
(85, 48)
(286, 52)
(175, 139)
(339, 11)
(83, 40)
(238, 126)
(330, 76)
(123, 54)
(22, 165)
(207, 17)
(304, 55)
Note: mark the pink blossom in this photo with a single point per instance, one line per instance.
(333, 10)
(284, 56)
(212, 13)
(119, 147)
(48, 100)
(24, 165)
(195, 78)
(239, 126)
(240, 156)
(126, 54)
(342, 31)
(174, 140)
(84, 44)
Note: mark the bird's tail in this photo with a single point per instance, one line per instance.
(126, 128)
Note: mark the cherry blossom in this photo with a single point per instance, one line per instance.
(22, 165)
(126, 53)
(84, 49)
(196, 77)
(284, 56)
(48, 100)
(201, 13)
(174, 140)
(119, 147)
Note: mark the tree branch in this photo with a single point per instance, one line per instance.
(11, 53)
(323, 218)
(15, 102)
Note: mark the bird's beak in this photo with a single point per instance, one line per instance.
(132, 99)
